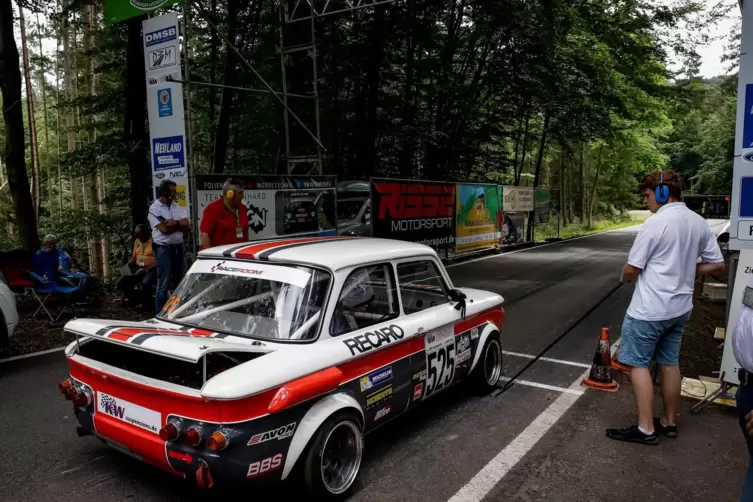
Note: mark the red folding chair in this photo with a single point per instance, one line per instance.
(16, 269)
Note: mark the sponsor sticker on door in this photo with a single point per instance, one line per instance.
(129, 412)
(375, 378)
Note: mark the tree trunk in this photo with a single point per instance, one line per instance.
(35, 178)
(537, 175)
(69, 94)
(593, 189)
(519, 169)
(222, 134)
(582, 179)
(46, 116)
(563, 195)
(134, 125)
(15, 156)
(57, 122)
(95, 248)
(215, 41)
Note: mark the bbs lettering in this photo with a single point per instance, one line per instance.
(374, 339)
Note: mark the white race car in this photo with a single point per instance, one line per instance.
(272, 359)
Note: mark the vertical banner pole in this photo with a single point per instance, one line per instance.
(189, 140)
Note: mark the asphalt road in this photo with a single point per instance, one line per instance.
(428, 455)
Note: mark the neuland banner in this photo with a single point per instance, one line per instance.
(415, 211)
(278, 205)
(167, 131)
(478, 218)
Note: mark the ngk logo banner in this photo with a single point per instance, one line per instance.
(420, 211)
(129, 412)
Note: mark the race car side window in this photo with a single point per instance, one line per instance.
(421, 286)
(368, 297)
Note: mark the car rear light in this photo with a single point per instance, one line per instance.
(71, 393)
(217, 441)
(64, 386)
(192, 436)
(169, 432)
(82, 399)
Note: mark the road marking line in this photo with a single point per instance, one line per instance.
(547, 359)
(33, 354)
(565, 241)
(493, 472)
(543, 386)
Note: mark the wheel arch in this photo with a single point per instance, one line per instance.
(490, 329)
(312, 420)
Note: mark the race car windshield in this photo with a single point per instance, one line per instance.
(349, 209)
(257, 301)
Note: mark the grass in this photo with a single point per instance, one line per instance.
(549, 230)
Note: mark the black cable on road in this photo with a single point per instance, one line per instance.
(556, 340)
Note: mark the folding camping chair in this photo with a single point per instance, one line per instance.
(45, 267)
(15, 266)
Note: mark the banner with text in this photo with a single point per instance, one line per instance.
(517, 199)
(120, 10)
(478, 218)
(542, 201)
(415, 211)
(167, 131)
(278, 205)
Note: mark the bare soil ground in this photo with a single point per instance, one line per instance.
(33, 335)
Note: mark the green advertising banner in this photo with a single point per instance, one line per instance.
(120, 10)
(478, 218)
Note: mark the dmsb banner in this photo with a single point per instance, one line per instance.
(167, 131)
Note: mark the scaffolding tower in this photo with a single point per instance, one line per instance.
(300, 77)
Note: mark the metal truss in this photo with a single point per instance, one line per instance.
(301, 10)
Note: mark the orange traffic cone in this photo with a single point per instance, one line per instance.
(616, 364)
(600, 376)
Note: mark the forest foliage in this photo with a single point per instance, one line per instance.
(576, 95)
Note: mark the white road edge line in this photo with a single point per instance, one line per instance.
(544, 386)
(622, 229)
(493, 472)
(547, 359)
(33, 354)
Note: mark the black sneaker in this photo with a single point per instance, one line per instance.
(633, 434)
(668, 430)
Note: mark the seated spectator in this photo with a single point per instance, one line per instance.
(142, 271)
(67, 273)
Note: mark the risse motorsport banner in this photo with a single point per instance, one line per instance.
(278, 205)
(415, 211)
(478, 218)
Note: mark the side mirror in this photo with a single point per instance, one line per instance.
(366, 217)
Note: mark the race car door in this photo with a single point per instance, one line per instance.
(426, 301)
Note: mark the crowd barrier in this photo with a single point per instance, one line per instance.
(453, 218)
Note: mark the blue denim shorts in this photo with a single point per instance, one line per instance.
(643, 341)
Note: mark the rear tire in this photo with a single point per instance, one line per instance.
(488, 370)
(334, 456)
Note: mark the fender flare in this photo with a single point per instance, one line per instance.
(311, 422)
(488, 330)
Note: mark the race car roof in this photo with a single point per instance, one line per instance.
(330, 252)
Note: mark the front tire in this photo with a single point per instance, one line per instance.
(488, 370)
(334, 457)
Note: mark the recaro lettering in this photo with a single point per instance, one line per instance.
(365, 342)
(376, 343)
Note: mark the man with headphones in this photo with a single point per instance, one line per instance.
(168, 221)
(225, 220)
(665, 261)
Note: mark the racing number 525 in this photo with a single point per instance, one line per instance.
(441, 365)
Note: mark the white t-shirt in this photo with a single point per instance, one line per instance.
(666, 250)
(173, 212)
